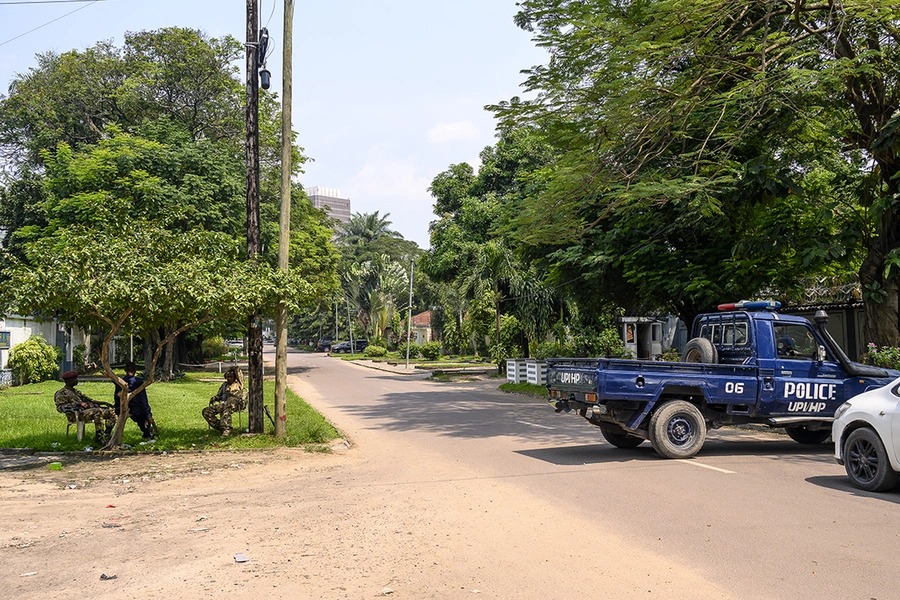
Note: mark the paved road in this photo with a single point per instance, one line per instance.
(755, 515)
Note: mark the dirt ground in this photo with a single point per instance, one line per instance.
(294, 524)
(384, 516)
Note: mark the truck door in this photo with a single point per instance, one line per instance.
(802, 385)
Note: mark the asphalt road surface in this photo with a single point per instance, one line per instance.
(754, 515)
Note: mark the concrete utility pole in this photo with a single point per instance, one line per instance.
(284, 236)
(254, 324)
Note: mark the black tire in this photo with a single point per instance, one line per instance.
(810, 437)
(700, 350)
(620, 438)
(867, 463)
(677, 430)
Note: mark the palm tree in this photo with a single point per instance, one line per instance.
(364, 228)
(372, 287)
(494, 266)
(494, 270)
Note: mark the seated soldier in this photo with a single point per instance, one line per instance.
(139, 405)
(228, 399)
(68, 399)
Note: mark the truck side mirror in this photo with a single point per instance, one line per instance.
(820, 354)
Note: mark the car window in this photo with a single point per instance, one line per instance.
(735, 334)
(712, 332)
(795, 342)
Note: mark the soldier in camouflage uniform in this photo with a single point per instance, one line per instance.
(71, 401)
(228, 399)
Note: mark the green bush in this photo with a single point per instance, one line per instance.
(34, 361)
(670, 355)
(213, 347)
(886, 357)
(414, 349)
(545, 350)
(78, 356)
(431, 350)
(375, 351)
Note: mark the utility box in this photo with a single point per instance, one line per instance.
(516, 370)
(536, 372)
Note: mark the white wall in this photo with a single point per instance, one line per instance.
(22, 328)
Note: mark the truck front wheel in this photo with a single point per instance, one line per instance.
(677, 430)
(811, 437)
(619, 437)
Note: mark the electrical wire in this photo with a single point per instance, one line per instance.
(271, 14)
(47, 1)
(50, 22)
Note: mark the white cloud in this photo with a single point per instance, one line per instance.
(458, 131)
(398, 186)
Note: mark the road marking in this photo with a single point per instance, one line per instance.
(459, 407)
(534, 425)
(414, 396)
(700, 464)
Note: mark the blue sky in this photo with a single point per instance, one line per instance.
(387, 93)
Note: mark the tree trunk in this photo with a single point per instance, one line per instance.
(169, 363)
(882, 296)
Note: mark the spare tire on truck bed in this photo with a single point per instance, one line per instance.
(700, 350)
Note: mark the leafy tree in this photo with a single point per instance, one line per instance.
(153, 130)
(686, 125)
(141, 277)
(471, 245)
(173, 74)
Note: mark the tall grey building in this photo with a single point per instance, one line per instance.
(330, 199)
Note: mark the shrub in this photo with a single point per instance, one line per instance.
(431, 350)
(78, 356)
(375, 351)
(545, 350)
(213, 347)
(670, 355)
(887, 357)
(414, 349)
(34, 361)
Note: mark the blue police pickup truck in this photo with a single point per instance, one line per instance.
(742, 365)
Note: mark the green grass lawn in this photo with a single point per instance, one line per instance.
(28, 418)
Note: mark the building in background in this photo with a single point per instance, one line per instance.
(330, 199)
(15, 329)
(421, 328)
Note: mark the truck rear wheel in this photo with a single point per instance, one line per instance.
(700, 350)
(620, 438)
(677, 430)
(811, 437)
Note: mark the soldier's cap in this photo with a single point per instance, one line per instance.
(69, 375)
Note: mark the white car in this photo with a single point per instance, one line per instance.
(866, 434)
